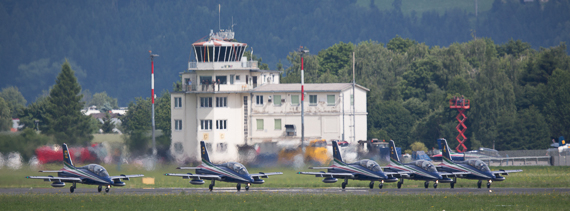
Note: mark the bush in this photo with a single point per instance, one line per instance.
(25, 142)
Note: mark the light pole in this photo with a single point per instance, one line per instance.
(302, 51)
(152, 97)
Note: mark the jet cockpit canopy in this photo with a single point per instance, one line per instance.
(426, 165)
(97, 169)
(478, 164)
(237, 167)
(370, 164)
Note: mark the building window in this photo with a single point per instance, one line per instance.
(277, 100)
(232, 79)
(221, 124)
(221, 101)
(330, 100)
(222, 147)
(177, 124)
(206, 124)
(313, 100)
(295, 100)
(351, 99)
(222, 79)
(237, 77)
(277, 124)
(259, 99)
(177, 102)
(205, 102)
(259, 124)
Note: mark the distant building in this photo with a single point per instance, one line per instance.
(229, 102)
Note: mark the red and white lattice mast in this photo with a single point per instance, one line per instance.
(461, 105)
(152, 97)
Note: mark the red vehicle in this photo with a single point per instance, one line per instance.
(47, 154)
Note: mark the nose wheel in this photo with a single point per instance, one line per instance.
(247, 186)
(72, 188)
(211, 187)
(434, 185)
(489, 184)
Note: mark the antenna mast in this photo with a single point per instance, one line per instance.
(219, 19)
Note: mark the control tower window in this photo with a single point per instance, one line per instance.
(222, 79)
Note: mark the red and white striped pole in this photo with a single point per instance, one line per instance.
(152, 97)
(302, 52)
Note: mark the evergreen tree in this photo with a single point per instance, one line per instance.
(14, 98)
(63, 118)
(107, 125)
(5, 117)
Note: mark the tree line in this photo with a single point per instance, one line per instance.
(519, 96)
(107, 42)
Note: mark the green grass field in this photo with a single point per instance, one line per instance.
(532, 176)
(269, 201)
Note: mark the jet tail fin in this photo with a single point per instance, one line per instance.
(336, 152)
(204, 152)
(66, 157)
(561, 141)
(445, 150)
(394, 158)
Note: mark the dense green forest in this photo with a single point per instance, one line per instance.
(107, 42)
(520, 97)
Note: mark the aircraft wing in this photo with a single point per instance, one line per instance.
(189, 168)
(397, 172)
(454, 173)
(195, 176)
(126, 177)
(59, 179)
(57, 171)
(321, 167)
(506, 172)
(328, 174)
(264, 175)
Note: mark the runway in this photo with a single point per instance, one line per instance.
(253, 190)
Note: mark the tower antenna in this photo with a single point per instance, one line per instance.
(219, 19)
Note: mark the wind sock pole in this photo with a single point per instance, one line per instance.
(302, 51)
(152, 97)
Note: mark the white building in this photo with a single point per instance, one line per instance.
(249, 106)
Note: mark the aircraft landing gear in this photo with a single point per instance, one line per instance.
(371, 185)
(99, 188)
(107, 189)
(72, 188)
(400, 183)
(453, 183)
(211, 187)
(426, 184)
(381, 184)
(247, 187)
(434, 185)
(344, 183)
(238, 186)
(489, 184)
(479, 184)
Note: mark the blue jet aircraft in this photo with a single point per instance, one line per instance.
(91, 174)
(362, 170)
(420, 170)
(227, 172)
(475, 169)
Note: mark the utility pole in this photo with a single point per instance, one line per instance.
(302, 51)
(152, 97)
(353, 101)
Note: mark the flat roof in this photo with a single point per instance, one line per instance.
(311, 87)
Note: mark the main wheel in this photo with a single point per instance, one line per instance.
(211, 187)
(371, 185)
(452, 185)
(107, 190)
(72, 189)
(426, 184)
(380, 186)
(238, 187)
(99, 188)
(488, 185)
(479, 184)
(343, 185)
(435, 185)
(399, 185)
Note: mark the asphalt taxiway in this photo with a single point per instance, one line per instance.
(360, 191)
